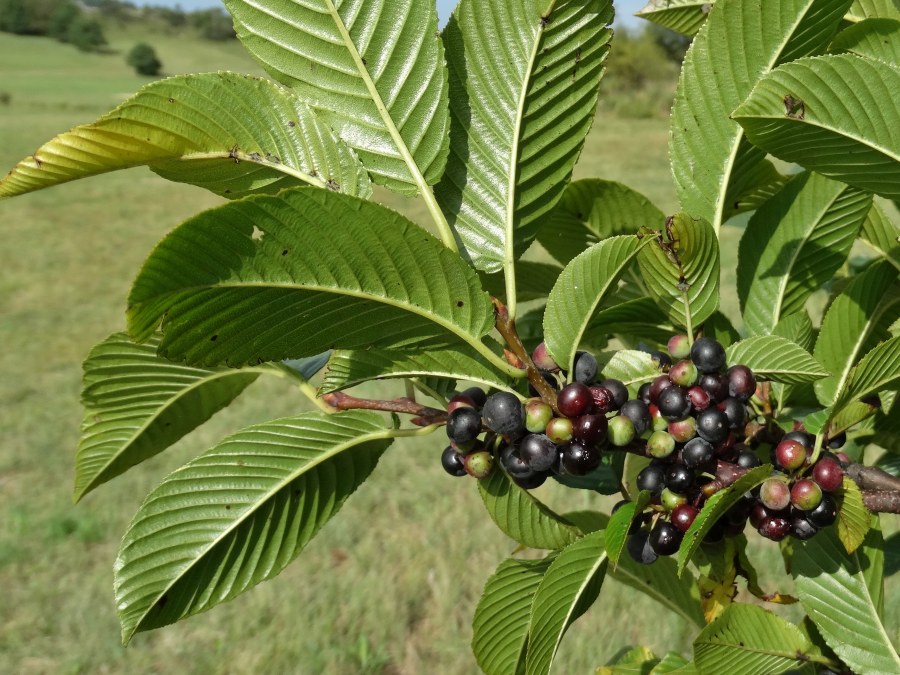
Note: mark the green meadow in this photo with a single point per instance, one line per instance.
(388, 587)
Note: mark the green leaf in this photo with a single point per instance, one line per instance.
(521, 516)
(620, 523)
(138, 404)
(842, 126)
(793, 245)
(832, 587)
(872, 555)
(853, 519)
(634, 317)
(578, 291)
(891, 552)
(525, 78)
(872, 38)
(231, 134)
(740, 42)
(851, 320)
(797, 328)
(593, 209)
(750, 640)
(568, 589)
(882, 234)
(374, 72)
(296, 274)
(601, 480)
(776, 359)
(714, 508)
(682, 16)
(349, 368)
(878, 370)
(534, 280)
(719, 327)
(866, 9)
(239, 513)
(681, 270)
(503, 615)
(631, 367)
(309, 366)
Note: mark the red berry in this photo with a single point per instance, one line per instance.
(590, 429)
(574, 400)
(683, 516)
(790, 455)
(828, 474)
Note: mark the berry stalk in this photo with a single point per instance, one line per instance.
(425, 416)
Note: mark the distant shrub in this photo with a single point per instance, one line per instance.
(143, 59)
(14, 17)
(213, 24)
(61, 20)
(5, 98)
(86, 34)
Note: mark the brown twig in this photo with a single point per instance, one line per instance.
(425, 416)
(872, 478)
(882, 501)
(507, 330)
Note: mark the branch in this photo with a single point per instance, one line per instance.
(507, 329)
(425, 416)
(872, 478)
(882, 501)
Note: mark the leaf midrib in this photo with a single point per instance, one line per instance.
(153, 418)
(732, 156)
(267, 495)
(280, 167)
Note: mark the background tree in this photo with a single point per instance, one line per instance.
(143, 59)
(61, 20)
(86, 34)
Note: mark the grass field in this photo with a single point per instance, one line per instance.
(388, 587)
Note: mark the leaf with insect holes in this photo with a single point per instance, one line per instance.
(882, 234)
(682, 16)
(580, 288)
(833, 590)
(851, 321)
(381, 281)
(569, 587)
(373, 71)
(839, 123)
(853, 518)
(347, 368)
(525, 78)
(750, 639)
(871, 38)
(775, 359)
(136, 404)
(231, 134)
(715, 507)
(620, 524)
(239, 513)
(738, 43)
(681, 270)
(793, 245)
(591, 210)
(521, 516)
(503, 615)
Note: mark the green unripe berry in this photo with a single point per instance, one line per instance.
(683, 430)
(479, 464)
(679, 347)
(559, 430)
(660, 444)
(620, 431)
(537, 415)
(806, 494)
(670, 500)
(684, 373)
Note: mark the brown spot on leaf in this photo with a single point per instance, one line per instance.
(794, 107)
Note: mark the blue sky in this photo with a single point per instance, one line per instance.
(624, 8)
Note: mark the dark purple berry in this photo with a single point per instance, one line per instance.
(639, 414)
(837, 441)
(464, 424)
(503, 414)
(618, 390)
(585, 367)
(538, 452)
(801, 528)
(644, 393)
(665, 538)
(775, 529)
(603, 399)
(715, 385)
(697, 452)
(828, 474)
(708, 355)
(825, 513)
(638, 546)
(679, 478)
(800, 437)
(578, 460)
(658, 386)
(452, 462)
(712, 425)
(673, 403)
(759, 513)
(699, 398)
(683, 516)
(652, 479)
(574, 400)
(590, 429)
(533, 481)
(477, 395)
(741, 382)
(747, 459)
(661, 359)
(513, 463)
(735, 411)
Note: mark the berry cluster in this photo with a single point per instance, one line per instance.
(690, 421)
(534, 441)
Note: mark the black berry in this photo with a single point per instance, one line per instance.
(538, 451)
(639, 414)
(618, 390)
(638, 546)
(673, 403)
(825, 513)
(584, 369)
(452, 462)
(741, 383)
(679, 478)
(503, 414)
(578, 459)
(464, 424)
(697, 452)
(708, 355)
(665, 538)
(652, 479)
(712, 425)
